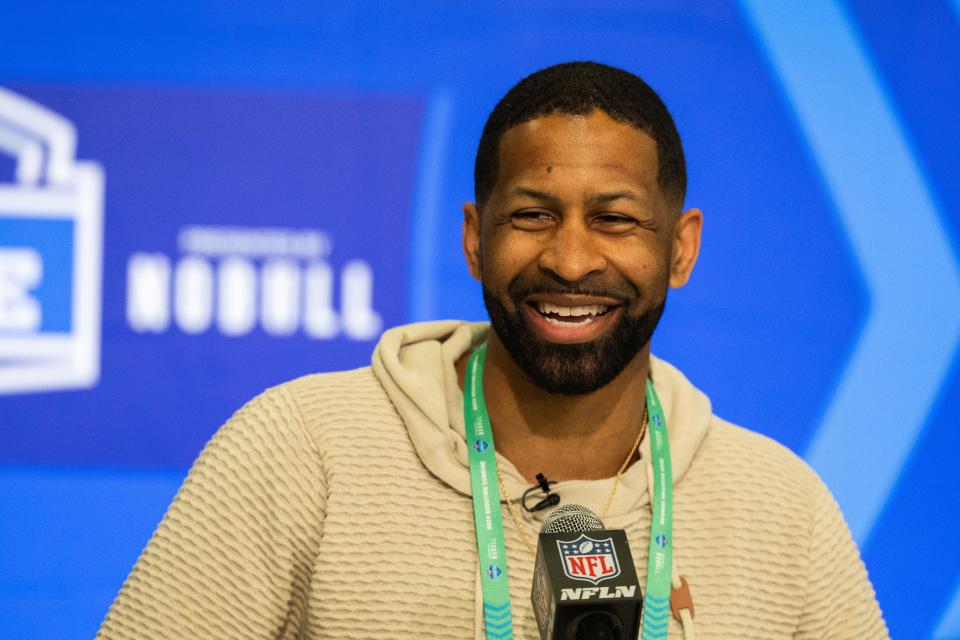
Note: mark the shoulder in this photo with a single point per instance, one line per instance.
(761, 454)
(342, 409)
(323, 391)
(283, 422)
(266, 438)
(757, 472)
(322, 398)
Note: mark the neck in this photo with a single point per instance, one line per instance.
(583, 437)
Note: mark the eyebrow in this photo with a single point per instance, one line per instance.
(595, 199)
(603, 198)
(542, 196)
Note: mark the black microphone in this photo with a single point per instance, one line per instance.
(584, 582)
(551, 499)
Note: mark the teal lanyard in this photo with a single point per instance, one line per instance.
(486, 502)
(656, 603)
(489, 523)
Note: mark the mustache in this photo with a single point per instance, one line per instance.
(520, 289)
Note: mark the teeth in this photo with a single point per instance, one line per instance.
(586, 310)
(557, 322)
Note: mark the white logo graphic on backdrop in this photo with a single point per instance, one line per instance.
(51, 243)
(236, 278)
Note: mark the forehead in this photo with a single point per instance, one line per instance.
(593, 146)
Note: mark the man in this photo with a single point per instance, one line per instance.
(339, 505)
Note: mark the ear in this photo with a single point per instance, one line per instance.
(471, 239)
(686, 246)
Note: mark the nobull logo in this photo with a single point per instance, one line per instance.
(51, 243)
(232, 279)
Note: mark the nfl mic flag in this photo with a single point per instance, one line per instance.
(585, 584)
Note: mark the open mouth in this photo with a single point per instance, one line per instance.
(568, 316)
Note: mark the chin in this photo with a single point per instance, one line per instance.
(577, 368)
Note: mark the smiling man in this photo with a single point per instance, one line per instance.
(576, 237)
(578, 234)
(341, 505)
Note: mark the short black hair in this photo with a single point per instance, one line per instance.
(579, 88)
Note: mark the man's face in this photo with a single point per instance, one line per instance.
(574, 248)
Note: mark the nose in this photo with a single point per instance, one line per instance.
(572, 252)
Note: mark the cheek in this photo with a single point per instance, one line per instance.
(503, 258)
(645, 265)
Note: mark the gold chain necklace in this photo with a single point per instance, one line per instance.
(515, 515)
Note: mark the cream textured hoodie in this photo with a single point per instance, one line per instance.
(338, 506)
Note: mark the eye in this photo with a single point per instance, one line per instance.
(532, 219)
(614, 222)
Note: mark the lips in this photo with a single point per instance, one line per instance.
(570, 319)
(579, 313)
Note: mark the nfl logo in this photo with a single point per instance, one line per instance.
(588, 559)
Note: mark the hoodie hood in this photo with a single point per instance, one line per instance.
(416, 366)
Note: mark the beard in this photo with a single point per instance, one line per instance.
(572, 369)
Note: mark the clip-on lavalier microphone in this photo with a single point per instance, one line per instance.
(551, 499)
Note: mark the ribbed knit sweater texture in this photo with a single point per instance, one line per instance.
(320, 511)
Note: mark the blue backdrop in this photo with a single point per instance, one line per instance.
(202, 200)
